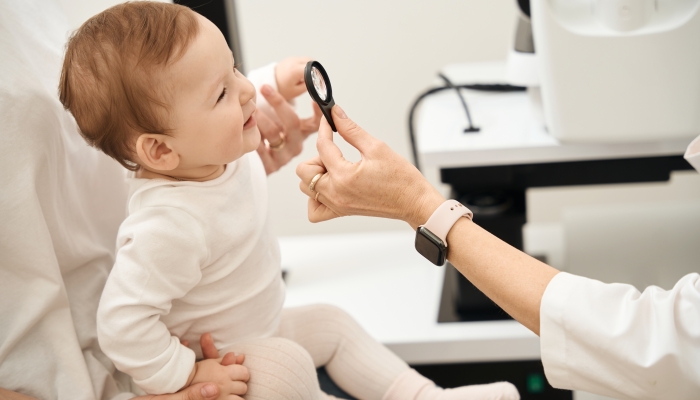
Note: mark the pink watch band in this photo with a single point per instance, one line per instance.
(445, 217)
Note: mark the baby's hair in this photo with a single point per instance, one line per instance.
(108, 81)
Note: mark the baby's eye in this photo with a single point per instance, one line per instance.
(223, 93)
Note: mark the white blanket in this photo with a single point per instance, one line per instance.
(61, 203)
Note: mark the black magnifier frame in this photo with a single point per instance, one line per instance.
(326, 104)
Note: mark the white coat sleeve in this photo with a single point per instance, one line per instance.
(612, 340)
(159, 258)
(265, 76)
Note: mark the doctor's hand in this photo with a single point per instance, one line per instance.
(284, 138)
(381, 184)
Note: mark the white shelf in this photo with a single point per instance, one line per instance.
(510, 132)
(394, 293)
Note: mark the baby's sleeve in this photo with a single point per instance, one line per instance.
(160, 253)
(263, 76)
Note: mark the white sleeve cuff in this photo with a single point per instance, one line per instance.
(553, 329)
(174, 374)
(263, 76)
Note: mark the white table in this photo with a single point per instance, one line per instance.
(394, 293)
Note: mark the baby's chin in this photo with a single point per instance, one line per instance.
(251, 139)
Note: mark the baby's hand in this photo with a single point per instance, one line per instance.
(289, 74)
(231, 379)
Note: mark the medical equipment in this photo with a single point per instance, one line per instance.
(319, 87)
(612, 70)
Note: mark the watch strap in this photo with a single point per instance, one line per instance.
(445, 216)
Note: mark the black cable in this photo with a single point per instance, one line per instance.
(497, 87)
(470, 128)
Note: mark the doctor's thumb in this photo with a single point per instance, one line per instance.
(350, 131)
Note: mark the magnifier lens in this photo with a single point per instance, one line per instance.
(319, 83)
(319, 87)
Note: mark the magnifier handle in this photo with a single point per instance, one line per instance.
(326, 109)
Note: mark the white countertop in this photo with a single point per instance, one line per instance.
(394, 293)
(510, 132)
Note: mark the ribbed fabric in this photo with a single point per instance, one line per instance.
(413, 386)
(284, 367)
(357, 363)
(279, 370)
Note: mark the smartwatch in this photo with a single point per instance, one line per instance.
(431, 237)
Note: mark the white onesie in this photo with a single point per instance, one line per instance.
(192, 257)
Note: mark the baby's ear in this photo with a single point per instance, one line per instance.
(154, 151)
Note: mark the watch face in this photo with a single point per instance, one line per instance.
(430, 246)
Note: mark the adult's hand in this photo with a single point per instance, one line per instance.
(8, 395)
(284, 140)
(381, 184)
(205, 390)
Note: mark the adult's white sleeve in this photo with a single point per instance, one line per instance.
(160, 254)
(612, 340)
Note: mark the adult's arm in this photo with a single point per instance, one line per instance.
(200, 391)
(608, 339)
(384, 184)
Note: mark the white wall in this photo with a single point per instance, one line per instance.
(78, 11)
(380, 55)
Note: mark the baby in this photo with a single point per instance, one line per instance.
(154, 85)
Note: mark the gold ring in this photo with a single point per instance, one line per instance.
(279, 145)
(315, 179)
(316, 198)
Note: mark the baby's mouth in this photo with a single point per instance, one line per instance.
(250, 122)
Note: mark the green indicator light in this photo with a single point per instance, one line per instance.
(535, 383)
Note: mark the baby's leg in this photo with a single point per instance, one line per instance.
(279, 370)
(360, 365)
(363, 367)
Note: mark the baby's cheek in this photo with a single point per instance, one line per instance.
(233, 148)
(252, 139)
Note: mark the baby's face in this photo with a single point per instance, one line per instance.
(212, 104)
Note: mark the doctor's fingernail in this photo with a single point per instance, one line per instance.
(266, 90)
(208, 391)
(339, 112)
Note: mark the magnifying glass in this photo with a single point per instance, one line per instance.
(319, 87)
